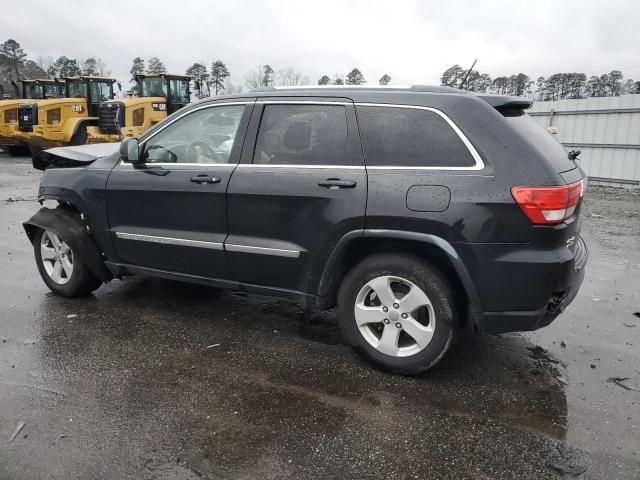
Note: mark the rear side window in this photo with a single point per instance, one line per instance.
(302, 135)
(410, 137)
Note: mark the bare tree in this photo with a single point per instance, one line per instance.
(262, 76)
(101, 68)
(230, 87)
(288, 77)
(44, 62)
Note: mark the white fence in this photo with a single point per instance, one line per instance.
(606, 130)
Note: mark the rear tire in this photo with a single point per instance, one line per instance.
(398, 312)
(80, 136)
(62, 270)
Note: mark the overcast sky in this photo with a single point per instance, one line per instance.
(413, 41)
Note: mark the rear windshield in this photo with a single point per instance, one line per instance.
(545, 142)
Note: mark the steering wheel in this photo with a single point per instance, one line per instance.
(205, 150)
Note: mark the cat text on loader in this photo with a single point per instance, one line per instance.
(64, 121)
(157, 95)
(39, 89)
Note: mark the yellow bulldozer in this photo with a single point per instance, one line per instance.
(40, 89)
(64, 121)
(157, 95)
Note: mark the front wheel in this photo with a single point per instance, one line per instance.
(397, 311)
(62, 270)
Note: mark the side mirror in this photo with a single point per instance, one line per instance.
(130, 150)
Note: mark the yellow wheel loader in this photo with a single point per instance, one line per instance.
(157, 95)
(64, 121)
(40, 89)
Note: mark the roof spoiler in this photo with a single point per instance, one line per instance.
(506, 101)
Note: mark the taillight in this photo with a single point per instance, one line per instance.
(549, 205)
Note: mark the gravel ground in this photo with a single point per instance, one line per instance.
(153, 379)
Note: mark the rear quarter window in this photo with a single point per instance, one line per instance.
(410, 137)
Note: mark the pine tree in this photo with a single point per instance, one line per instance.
(355, 77)
(90, 67)
(384, 79)
(219, 73)
(15, 54)
(137, 68)
(155, 65)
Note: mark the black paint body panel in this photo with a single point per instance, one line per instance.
(516, 276)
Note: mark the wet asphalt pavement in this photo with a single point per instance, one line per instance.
(154, 379)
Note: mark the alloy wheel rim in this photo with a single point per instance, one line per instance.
(56, 257)
(395, 316)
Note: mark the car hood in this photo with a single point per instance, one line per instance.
(77, 156)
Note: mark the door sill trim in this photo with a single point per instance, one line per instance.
(285, 293)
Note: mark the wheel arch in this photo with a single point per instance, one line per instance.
(65, 222)
(357, 245)
(74, 123)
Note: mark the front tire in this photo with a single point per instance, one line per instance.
(62, 270)
(397, 311)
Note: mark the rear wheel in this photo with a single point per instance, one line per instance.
(397, 311)
(62, 270)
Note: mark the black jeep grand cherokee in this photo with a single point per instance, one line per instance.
(416, 210)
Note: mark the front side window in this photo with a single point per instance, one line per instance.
(78, 89)
(302, 135)
(154, 87)
(204, 136)
(410, 137)
(179, 91)
(101, 92)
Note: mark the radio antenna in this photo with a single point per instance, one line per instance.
(467, 75)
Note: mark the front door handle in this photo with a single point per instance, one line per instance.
(204, 179)
(335, 183)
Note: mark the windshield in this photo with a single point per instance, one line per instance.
(179, 91)
(78, 89)
(101, 91)
(33, 90)
(154, 87)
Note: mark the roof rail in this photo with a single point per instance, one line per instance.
(413, 88)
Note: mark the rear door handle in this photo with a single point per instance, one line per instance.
(335, 183)
(204, 179)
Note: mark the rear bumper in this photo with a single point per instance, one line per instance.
(521, 321)
(524, 289)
